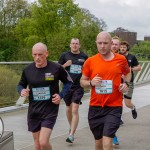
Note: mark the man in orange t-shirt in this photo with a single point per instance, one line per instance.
(103, 73)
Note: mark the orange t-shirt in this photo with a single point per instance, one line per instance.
(107, 70)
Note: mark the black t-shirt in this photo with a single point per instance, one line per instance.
(132, 61)
(75, 69)
(43, 83)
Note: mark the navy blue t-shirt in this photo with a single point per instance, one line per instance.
(75, 70)
(43, 83)
(132, 61)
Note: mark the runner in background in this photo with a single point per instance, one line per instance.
(135, 66)
(73, 61)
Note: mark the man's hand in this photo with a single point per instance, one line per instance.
(123, 88)
(96, 80)
(56, 99)
(68, 63)
(25, 92)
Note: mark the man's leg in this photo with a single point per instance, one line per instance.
(99, 144)
(41, 139)
(128, 98)
(36, 140)
(74, 118)
(107, 143)
(104, 143)
(130, 105)
(69, 114)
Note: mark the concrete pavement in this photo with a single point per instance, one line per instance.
(133, 135)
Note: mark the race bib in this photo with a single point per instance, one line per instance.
(105, 87)
(75, 69)
(41, 93)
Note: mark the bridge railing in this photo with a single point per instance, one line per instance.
(143, 76)
(10, 73)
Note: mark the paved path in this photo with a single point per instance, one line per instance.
(133, 135)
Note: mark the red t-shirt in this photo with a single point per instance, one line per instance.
(107, 70)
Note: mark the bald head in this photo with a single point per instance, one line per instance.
(40, 46)
(104, 35)
(104, 42)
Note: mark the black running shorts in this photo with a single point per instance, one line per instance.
(74, 95)
(104, 121)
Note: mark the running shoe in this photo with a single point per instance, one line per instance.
(134, 113)
(70, 139)
(115, 141)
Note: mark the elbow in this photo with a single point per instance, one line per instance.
(81, 84)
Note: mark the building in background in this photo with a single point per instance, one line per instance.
(125, 35)
(146, 38)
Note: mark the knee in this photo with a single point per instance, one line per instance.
(107, 145)
(37, 143)
(75, 111)
(44, 144)
(98, 144)
(68, 109)
(107, 142)
(75, 108)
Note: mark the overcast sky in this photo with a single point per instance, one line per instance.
(133, 15)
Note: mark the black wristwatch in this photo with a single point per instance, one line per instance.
(91, 84)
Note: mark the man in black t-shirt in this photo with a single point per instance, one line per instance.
(135, 66)
(73, 61)
(40, 82)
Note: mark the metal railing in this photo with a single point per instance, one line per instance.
(10, 73)
(143, 76)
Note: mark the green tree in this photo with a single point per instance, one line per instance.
(10, 12)
(86, 27)
(48, 23)
(142, 50)
(55, 22)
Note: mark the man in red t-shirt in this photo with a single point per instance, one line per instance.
(103, 73)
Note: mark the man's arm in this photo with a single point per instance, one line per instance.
(66, 87)
(136, 68)
(127, 77)
(22, 83)
(67, 64)
(84, 81)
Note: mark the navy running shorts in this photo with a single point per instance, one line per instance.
(74, 95)
(34, 125)
(104, 121)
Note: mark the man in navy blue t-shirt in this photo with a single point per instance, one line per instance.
(42, 79)
(73, 61)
